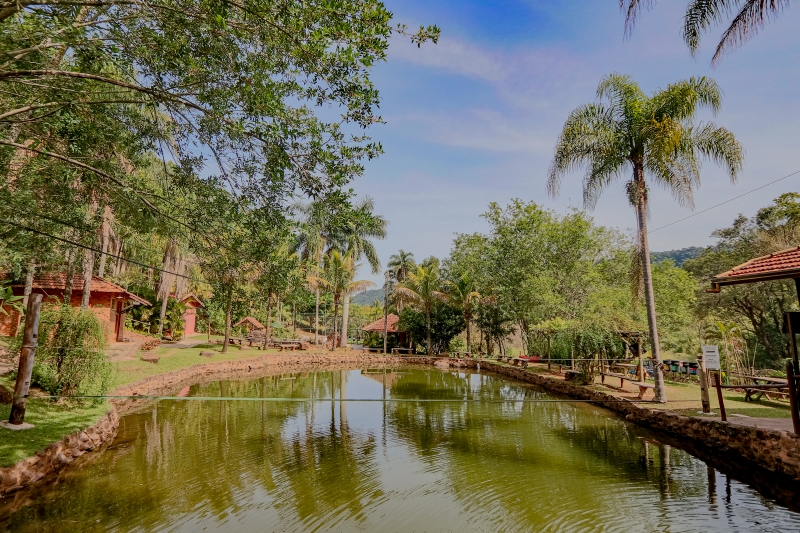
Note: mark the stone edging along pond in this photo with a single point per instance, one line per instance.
(777, 452)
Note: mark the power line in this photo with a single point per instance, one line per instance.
(85, 247)
(725, 202)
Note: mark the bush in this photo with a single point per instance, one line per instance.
(70, 360)
(446, 323)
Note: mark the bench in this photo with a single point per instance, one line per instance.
(373, 350)
(643, 387)
(519, 361)
(401, 350)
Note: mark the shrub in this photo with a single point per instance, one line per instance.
(70, 360)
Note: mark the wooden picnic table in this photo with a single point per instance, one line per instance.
(401, 350)
(762, 386)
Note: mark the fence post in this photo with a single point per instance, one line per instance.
(793, 396)
(722, 414)
(704, 399)
(26, 354)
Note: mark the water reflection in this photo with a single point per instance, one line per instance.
(389, 466)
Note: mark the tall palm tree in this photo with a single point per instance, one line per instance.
(336, 277)
(401, 264)
(751, 16)
(359, 226)
(421, 288)
(462, 295)
(312, 237)
(656, 137)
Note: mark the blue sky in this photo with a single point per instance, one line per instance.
(475, 118)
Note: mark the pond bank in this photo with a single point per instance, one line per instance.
(94, 438)
(776, 452)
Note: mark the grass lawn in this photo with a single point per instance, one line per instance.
(52, 421)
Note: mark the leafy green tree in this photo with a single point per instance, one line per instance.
(422, 289)
(336, 277)
(462, 295)
(655, 135)
(443, 324)
(749, 17)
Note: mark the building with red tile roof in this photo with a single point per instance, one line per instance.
(107, 300)
(377, 326)
(779, 265)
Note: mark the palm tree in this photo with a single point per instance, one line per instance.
(336, 277)
(461, 294)
(401, 264)
(310, 242)
(354, 236)
(421, 287)
(654, 135)
(751, 15)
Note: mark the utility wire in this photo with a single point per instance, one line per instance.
(725, 202)
(85, 247)
(333, 400)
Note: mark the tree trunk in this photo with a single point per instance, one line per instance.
(335, 315)
(29, 274)
(105, 233)
(647, 277)
(345, 318)
(466, 319)
(162, 315)
(428, 319)
(68, 282)
(228, 307)
(88, 269)
(269, 321)
(316, 318)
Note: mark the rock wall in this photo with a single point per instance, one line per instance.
(777, 452)
(60, 454)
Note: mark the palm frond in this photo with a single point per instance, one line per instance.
(751, 18)
(407, 294)
(700, 14)
(633, 9)
(360, 286)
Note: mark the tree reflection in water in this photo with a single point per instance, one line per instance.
(393, 466)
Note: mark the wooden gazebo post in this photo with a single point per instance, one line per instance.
(780, 265)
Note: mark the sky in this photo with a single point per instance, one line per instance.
(474, 119)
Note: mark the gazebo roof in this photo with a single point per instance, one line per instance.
(779, 265)
(377, 326)
(252, 321)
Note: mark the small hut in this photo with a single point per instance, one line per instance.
(250, 324)
(392, 321)
(190, 314)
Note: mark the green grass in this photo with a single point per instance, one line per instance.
(126, 372)
(53, 421)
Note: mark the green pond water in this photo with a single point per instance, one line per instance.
(494, 464)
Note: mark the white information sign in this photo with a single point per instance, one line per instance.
(711, 356)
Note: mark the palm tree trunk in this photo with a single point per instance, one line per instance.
(316, 318)
(162, 315)
(466, 319)
(345, 318)
(335, 315)
(428, 318)
(647, 277)
(228, 307)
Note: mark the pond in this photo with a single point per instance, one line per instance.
(425, 460)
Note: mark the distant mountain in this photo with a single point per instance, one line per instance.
(369, 297)
(679, 256)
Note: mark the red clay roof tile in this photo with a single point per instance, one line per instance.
(779, 265)
(391, 324)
